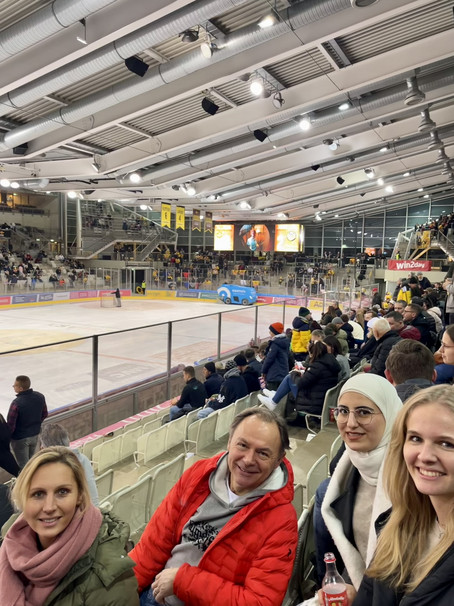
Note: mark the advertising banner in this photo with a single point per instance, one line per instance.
(410, 265)
(5, 300)
(287, 237)
(166, 214)
(61, 296)
(209, 222)
(83, 294)
(188, 294)
(179, 218)
(24, 299)
(46, 297)
(223, 237)
(196, 222)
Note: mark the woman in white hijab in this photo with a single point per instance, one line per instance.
(354, 501)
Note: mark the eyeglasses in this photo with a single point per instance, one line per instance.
(363, 416)
(445, 346)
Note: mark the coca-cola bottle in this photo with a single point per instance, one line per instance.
(333, 585)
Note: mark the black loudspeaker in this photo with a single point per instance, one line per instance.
(20, 150)
(210, 107)
(136, 66)
(260, 135)
(340, 180)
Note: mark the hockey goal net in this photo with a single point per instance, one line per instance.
(107, 299)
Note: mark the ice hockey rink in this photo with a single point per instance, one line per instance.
(63, 373)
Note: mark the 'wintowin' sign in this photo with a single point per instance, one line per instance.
(410, 265)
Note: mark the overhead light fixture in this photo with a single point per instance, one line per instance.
(208, 106)
(332, 144)
(380, 181)
(143, 207)
(407, 174)
(315, 167)
(340, 180)
(260, 135)
(207, 49)
(257, 87)
(20, 150)
(343, 106)
(362, 3)
(426, 123)
(244, 77)
(283, 215)
(305, 122)
(389, 189)
(190, 189)
(5, 182)
(435, 141)
(420, 188)
(267, 21)
(426, 196)
(15, 185)
(190, 35)
(370, 173)
(384, 149)
(136, 66)
(318, 217)
(135, 177)
(72, 195)
(244, 205)
(96, 165)
(278, 100)
(82, 38)
(414, 94)
(447, 168)
(442, 157)
(362, 194)
(336, 216)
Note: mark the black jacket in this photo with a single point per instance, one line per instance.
(193, 394)
(31, 412)
(251, 376)
(421, 323)
(213, 384)
(321, 375)
(384, 345)
(437, 589)
(232, 389)
(276, 363)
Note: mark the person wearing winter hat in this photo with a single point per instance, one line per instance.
(306, 315)
(249, 374)
(301, 336)
(232, 389)
(213, 380)
(275, 366)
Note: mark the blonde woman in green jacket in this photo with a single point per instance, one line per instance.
(62, 550)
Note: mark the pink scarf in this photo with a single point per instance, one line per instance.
(20, 557)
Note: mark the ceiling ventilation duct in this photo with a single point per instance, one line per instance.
(414, 94)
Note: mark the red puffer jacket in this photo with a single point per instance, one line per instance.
(248, 563)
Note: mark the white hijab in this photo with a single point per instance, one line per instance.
(384, 396)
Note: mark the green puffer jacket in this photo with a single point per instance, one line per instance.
(104, 576)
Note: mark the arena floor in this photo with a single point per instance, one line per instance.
(63, 372)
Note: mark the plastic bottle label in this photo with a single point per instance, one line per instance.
(334, 596)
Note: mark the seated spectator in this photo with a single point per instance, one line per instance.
(334, 347)
(248, 373)
(413, 315)
(386, 339)
(309, 389)
(53, 434)
(434, 311)
(252, 361)
(232, 389)
(447, 352)
(367, 349)
(396, 323)
(213, 380)
(335, 329)
(413, 561)
(400, 305)
(410, 367)
(193, 395)
(429, 317)
(75, 557)
(275, 366)
(357, 333)
(348, 329)
(226, 533)
(354, 499)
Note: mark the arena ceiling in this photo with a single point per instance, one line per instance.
(74, 118)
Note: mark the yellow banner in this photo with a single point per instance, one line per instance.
(209, 222)
(166, 214)
(179, 218)
(196, 222)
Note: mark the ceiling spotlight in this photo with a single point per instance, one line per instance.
(135, 178)
(256, 87)
(315, 167)
(407, 174)
(278, 100)
(426, 122)
(72, 195)
(305, 122)
(82, 38)
(318, 217)
(362, 194)
(267, 21)
(208, 106)
(15, 185)
(435, 141)
(362, 3)
(340, 180)
(380, 181)
(5, 183)
(385, 148)
(414, 94)
(283, 215)
(447, 168)
(344, 106)
(190, 189)
(370, 173)
(426, 196)
(244, 205)
(389, 189)
(442, 157)
(244, 77)
(136, 66)
(420, 188)
(260, 135)
(207, 49)
(451, 178)
(332, 144)
(143, 207)
(96, 166)
(336, 216)
(190, 35)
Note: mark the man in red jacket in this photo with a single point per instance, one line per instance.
(226, 533)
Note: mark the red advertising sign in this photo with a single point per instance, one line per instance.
(410, 265)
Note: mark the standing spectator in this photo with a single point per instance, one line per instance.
(193, 395)
(25, 415)
(423, 281)
(7, 461)
(301, 336)
(252, 361)
(448, 286)
(275, 365)
(213, 380)
(144, 287)
(249, 374)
